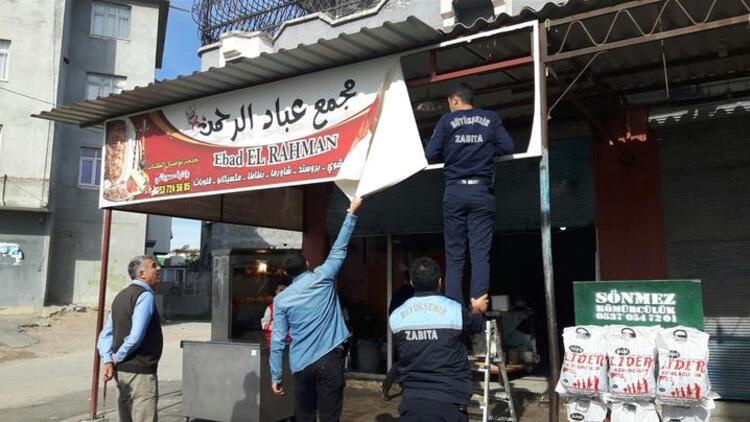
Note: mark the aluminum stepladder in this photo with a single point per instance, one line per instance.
(494, 356)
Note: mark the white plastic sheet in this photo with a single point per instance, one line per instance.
(686, 414)
(634, 412)
(391, 151)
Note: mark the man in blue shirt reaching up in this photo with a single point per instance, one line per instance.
(468, 140)
(309, 310)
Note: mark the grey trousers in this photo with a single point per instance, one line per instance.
(138, 397)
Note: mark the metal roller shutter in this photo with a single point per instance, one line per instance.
(705, 176)
(416, 205)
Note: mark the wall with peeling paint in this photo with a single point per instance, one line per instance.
(22, 286)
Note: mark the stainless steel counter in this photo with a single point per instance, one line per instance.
(231, 381)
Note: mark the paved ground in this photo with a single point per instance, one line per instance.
(45, 375)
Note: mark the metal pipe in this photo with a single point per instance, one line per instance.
(736, 20)
(5, 182)
(388, 298)
(540, 51)
(442, 77)
(106, 230)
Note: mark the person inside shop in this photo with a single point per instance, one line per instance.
(267, 321)
(431, 331)
(130, 345)
(310, 309)
(467, 140)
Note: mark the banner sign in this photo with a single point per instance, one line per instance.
(353, 125)
(654, 302)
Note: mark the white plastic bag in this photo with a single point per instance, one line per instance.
(686, 414)
(586, 410)
(683, 364)
(584, 369)
(631, 354)
(634, 412)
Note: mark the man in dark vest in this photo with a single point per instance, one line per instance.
(130, 344)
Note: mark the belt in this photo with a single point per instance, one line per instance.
(472, 181)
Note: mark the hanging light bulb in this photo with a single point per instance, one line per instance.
(262, 267)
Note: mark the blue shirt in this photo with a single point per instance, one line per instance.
(144, 309)
(310, 311)
(468, 141)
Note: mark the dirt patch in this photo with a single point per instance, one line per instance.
(71, 331)
(8, 355)
(362, 402)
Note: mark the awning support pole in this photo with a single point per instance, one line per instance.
(388, 298)
(540, 45)
(106, 229)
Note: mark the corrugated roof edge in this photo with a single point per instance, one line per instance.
(94, 112)
(550, 10)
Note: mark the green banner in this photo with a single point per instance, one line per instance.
(652, 302)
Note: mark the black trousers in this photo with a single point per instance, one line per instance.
(423, 410)
(469, 222)
(319, 389)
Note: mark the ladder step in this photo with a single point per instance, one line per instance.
(495, 395)
(482, 359)
(475, 404)
(478, 417)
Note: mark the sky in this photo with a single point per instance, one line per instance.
(181, 58)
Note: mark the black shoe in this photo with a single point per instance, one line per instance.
(384, 394)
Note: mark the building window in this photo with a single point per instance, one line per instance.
(90, 168)
(174, 282)
(4, 59)
(173, 275)
(98, 85)
(110, 20)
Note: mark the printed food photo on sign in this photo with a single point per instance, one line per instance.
(124, 160)
(353, 126)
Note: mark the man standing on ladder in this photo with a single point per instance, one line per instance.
(468, 140)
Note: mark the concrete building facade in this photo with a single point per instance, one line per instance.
(61, 52)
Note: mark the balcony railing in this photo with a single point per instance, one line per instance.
(215, 17)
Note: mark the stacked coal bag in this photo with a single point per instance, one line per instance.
(631, 358)
(635, 374)
(683, 387)
(583, 377)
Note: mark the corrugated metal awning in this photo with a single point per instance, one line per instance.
(345, 49)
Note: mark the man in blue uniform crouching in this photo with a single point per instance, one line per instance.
(430, 330)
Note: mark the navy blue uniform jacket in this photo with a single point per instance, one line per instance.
(432, 357)
(468, 141)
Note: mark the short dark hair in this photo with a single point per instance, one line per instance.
(425, 274)
(463, 92)
(294, 264)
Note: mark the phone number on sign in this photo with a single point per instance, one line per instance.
(172, 188)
